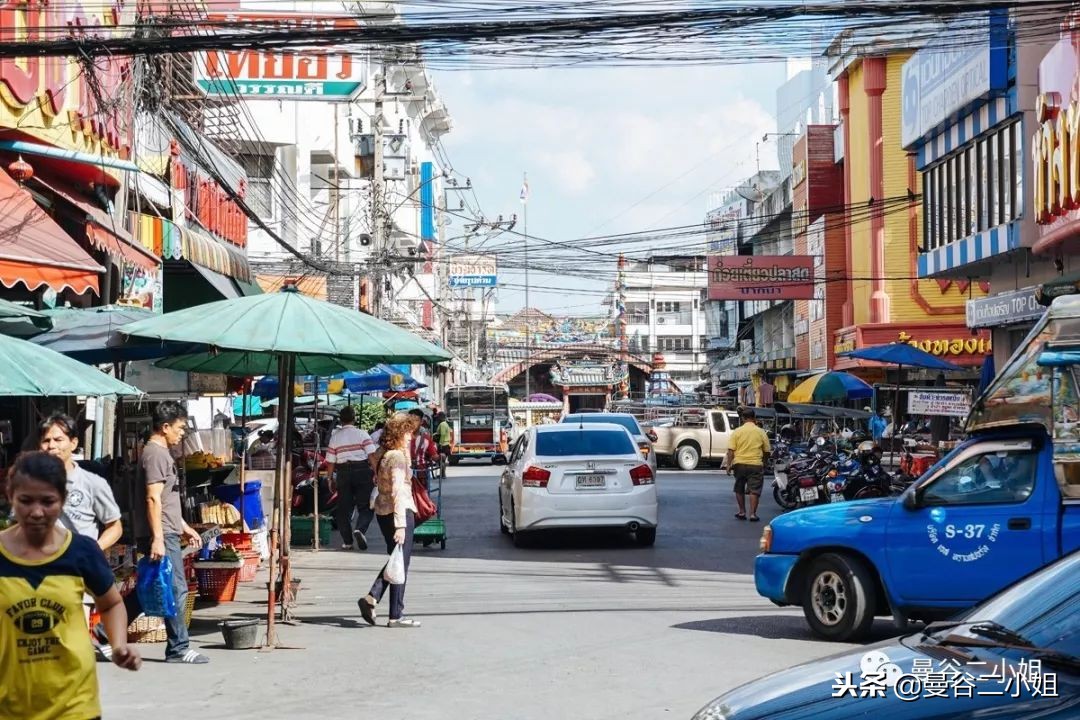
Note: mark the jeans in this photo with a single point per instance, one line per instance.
(397, 592)
(175, 629)
(355, 481)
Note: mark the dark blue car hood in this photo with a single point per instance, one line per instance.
(805, 693)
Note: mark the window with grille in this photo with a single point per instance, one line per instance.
(975, 189)
(260, 172)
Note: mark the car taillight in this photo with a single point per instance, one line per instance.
(642, 475)
(644, 448)
(535, 477)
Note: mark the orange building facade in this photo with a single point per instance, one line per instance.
(884, 301)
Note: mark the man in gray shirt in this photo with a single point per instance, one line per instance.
(90, 507)
(164, 524)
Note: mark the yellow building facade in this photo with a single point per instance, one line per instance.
(884, 231)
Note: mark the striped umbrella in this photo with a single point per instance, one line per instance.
(830, 387)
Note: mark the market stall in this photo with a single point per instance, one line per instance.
(300, 335)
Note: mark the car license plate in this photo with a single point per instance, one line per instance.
(808, 494)
(590, 481)
(836, 497)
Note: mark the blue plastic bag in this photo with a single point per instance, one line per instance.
(154, 586)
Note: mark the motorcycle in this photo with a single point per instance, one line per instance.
(306, 470)
(797, 479)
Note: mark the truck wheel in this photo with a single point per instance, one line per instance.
(687, 457)
(839, 598)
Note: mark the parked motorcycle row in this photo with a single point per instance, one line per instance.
(824, 472)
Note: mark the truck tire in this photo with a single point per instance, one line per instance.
(687, 457)
(839, 598)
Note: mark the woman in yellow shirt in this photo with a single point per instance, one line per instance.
(395, 512)
(47, 667)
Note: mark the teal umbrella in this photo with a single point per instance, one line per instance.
(288, 323)
(14, 310)
(29, 370)
(238, 363)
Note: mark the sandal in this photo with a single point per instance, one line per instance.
(755, 518)
(740, 516)
(189, 658)
(367, 609)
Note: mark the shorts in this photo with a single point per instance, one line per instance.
(749, 479)
(444, 449)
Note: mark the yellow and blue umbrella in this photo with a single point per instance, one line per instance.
(830, 387)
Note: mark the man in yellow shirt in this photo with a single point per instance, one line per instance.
(746, 457)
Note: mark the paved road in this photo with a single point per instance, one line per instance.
(580, 625)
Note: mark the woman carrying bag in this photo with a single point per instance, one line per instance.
(395, 512)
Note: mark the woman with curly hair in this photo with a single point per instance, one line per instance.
(395, 513)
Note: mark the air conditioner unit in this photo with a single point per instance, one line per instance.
(660, 320)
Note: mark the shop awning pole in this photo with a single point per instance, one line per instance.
(287, 495)
(278, 512)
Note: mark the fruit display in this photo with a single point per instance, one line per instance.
(226, 553)
(202, 461)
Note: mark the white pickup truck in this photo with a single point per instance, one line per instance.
(690, 436)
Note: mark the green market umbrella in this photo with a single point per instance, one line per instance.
(292, 324)
(29, 370)
(238, 363)
(9, 309)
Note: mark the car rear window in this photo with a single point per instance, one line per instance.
(583, 442)
(627, 421)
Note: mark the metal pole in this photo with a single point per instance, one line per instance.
(315, 492)
(528, 328)
(278, 516)
(337, 200)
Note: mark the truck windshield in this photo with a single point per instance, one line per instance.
(584, 442)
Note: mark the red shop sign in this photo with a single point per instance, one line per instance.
(761, 277)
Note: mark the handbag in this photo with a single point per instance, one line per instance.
(425, 508)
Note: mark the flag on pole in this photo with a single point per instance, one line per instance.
(524, 196)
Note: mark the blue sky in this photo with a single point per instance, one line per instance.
(607, 150)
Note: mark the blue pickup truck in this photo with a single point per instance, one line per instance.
(1001, 505)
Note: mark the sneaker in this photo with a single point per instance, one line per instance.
(403, 623)
(361, 541)
(103, 652)
(189, 658)
(346, 546)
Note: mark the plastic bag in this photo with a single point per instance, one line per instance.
(154, 586)
(395, 567)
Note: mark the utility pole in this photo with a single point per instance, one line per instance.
(528, 328)
(337, 189)
(378, 235)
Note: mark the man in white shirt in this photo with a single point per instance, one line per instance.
(347, 454)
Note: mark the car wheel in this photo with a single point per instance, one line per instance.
(517, 537)
(502, 525)
(687, 457)
(840, 598)
(645, 537)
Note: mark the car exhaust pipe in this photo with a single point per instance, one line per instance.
(633, 526)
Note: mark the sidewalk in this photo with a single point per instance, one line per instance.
(521, 638)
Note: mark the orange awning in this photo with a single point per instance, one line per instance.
(35, 251)
(102, 231)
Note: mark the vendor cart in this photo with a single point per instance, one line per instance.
(433, 530)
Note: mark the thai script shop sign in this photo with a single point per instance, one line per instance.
(1011, 308)
(295, 75)
(967, 61)
(761, 277)
(469, 271)
(926, 402)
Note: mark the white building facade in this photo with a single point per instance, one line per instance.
(664, 299)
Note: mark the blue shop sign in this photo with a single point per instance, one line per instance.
(966, 62)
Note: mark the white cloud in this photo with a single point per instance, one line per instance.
(573, 172)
